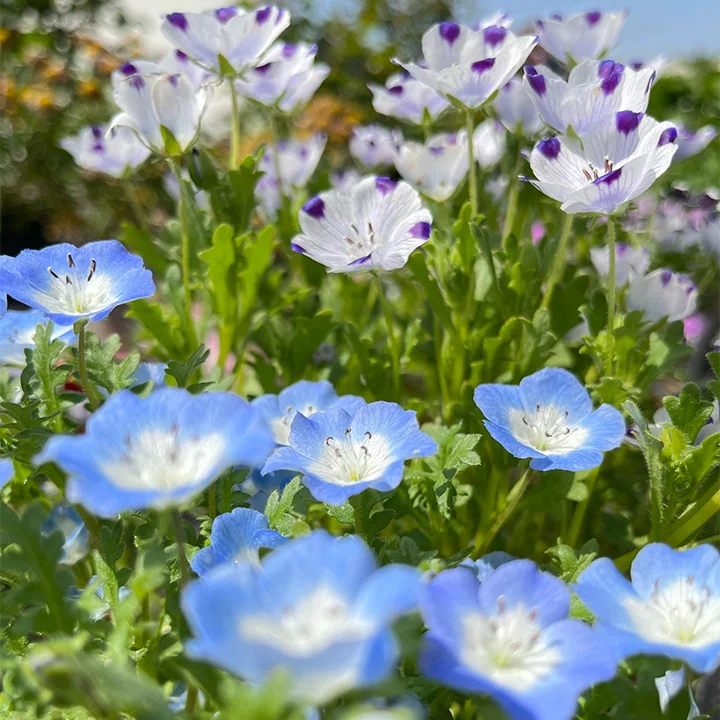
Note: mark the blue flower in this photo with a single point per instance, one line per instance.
(4, 259)
(341, 455)
(6, 471)
(510, 637)
(17, 333)
(319, 609)
(77, 538)
(69, 283)
(157, 451)
(672, 606)
(487, 564)
(549, 418)
(236, 537)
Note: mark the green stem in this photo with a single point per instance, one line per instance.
(610, 299)
(472, 184)
(88, 387)
(578, 517)
(392, 338)
(708, 505)
(442, 380)
(233, 161)
(558, 266)
(180, 543)
(191, 700)
(511, 211)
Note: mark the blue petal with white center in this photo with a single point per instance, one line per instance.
(68, 283)
(340, 454)
(77, 538)
(549, 418)
(671, 607)
(17, 334)
(236, 537)
(157, 451)
(510, 637)
(319, 609)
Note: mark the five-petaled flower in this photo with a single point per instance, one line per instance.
(510, 636)
(405, 98)
(630, 262)
(374, 146)
(663, 294)
(516, 109)
(672, 606)
(549, 417)
(691, 142)
(341, 454)
(17, 334)
(70, 284)
(378, 224)
(319, 609)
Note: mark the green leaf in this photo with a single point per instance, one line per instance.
(416, 264)
(688, 412)
(342, 513)
(305, 340)
(183, 372)
(163, 327)
(714, 385)
(280, 504)
(102, 366)
(139, 240)
(172, 146)
(461, 451)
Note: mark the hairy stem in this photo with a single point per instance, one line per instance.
(88, 387)
(472, 167)
(609, 359)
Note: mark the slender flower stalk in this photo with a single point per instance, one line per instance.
(233, 160)
(88, 387)
(610, 298)
(576, 524)
(392, 338)
(472, 183)
(558, 263)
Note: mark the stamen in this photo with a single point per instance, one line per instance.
(348, 431)
(501, 604)
(53, 273)
(364, 449)
(587, 175)
(93, 267)
(608, 164)
(525, 421)
(71, 262)
(368, 435)
(68, 281)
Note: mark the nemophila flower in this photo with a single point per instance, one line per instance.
(374, 146)
(345, 180)
(487, 564)
(4, 259)
(468, 66)
(516, 109)
(672, 606)
(693, 142)
(6, 472)
(319, 610)
(157, 451)
(488, 143)
(586, 36)
(591, 96)
(549, 417)
(670, 685)
(68, 283)
(296, 161)
(236, 537)
(630, 262)
(77, 538)
(378, 224)
(405, 98)
(115, 154)
(287, 78)
(408, 707)
(341, 454)
(240, 37)
(17, 334)
(612, 165)
(663, 294)
(510, 637)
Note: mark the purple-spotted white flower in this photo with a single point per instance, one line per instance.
(240, 37)
(612, 164)
(592, 94)
(630, 262)
(468, 66)
(377, 225)
(516, 109)
(345, 180)
(691, 142)
(374, 146)
(287, 78)
(663, 294)
(405, 98)
(488, 143)
(586, 36)
(115, 154)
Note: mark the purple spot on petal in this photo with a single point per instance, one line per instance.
(421, 230)
(178, 20)
(607, 68)
(593, 18)
(482, 66)
(173, 79)
(610, 83)
(627, 121)
(536, 80)
(225, 14)
(98, 148)
(385, 185)
(540, 24)
(494, 35)
(360, 260)
(665, 278)
(668, 136)
(97, 132)
(262, 15)
(621, 249)
(181, 56)
(262, 69)
(436, 150)
(137, 82)
(396, 90)
(557, 16)
(636, 65)
(690, 289)
(128, 69)
(289, 50)
(280, 16)
(609, 178)
(315, 208)
(297, 248)
(550, 148)
(650, 82)
(449, 31)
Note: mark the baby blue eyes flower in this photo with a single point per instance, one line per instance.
(340, 455)
(157, 451)
(510, 637)
(236, 537)
(671, 607)
(319, 609)
(77, 538)
(70, 284)
(17, 334)
(549, 418)
(6, 472)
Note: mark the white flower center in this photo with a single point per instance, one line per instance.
(157, 459)
(546, 430)
(349, 459)
(508, 647)
(592, 173)
(682, 613)
(281, 426)
(77, 290)
(361, 242)
(311, 625)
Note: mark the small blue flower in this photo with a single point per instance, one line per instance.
(4, 259)
(6, 471)
(236, 537)
(341, 455)
(17, 333)
(549, 418)
(672, 606)
(510, 637)
(157, 451)
(77, 538)
(319, 608)
(69, 283)
(487, 564)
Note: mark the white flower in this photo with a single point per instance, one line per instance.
(469, 66)
(593, 92)
(240, 37)
(587, 36)
(407, 99)
(436, 168)
(378, 224)
(115, 155)
(488, 143)
(287, 78)
(374, 146)
(610, 166)
(345, 180)
(691, 143)
(516, 109)
(658, 64)
(663, 294)
(296, 161)
(630, 262)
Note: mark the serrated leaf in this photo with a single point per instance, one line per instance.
(182, 372)
(688, 411)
